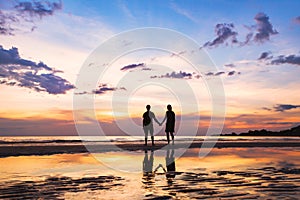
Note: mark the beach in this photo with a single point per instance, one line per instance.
(18, 150)
(242, 169)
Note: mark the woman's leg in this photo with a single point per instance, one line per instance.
(168, 139)
(172, 135)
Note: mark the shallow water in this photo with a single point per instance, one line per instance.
(229, 173)
(102, 140)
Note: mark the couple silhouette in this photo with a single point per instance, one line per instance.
(148, 118)
(169, 170)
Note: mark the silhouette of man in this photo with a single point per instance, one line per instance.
(148, 163)
(148, 117)
(148, 173)
(170, 124)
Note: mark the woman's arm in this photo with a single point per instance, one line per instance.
(164, 119)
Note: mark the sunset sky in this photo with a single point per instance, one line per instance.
(253, 45)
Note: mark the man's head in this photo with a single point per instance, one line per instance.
(148, 107)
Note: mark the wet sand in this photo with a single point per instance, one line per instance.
(16, 150)
(227, 173)
(54, 187)
(261, 183)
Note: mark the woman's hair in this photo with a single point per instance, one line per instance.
(169, 107)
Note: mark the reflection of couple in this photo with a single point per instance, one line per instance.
(170, 172)
(148, 118)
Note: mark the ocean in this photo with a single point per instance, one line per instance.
(99, 140)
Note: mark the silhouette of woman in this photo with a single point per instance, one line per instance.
(170, 124)
(170, 172)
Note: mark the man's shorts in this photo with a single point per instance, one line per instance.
(147, 129)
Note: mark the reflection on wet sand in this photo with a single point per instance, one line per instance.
(263, 183)
(148, 173)
(169, 170)
(231, 173)
(253, 182)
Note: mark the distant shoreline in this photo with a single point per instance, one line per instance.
(13, 150)
(293, 132)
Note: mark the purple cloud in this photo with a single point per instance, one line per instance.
(290, 59)
(266, 108)
(265, 55)
(37, 8)
(15, 71)
(219, 73)
(231, 73)
(284, 107)
(214, 74)
(210, 74)
(179, 75)
(263, 30)
(26, 12)
(259, 33)
(263, 27)
(5, 23)
(134, 66)
(225, 32)
(281, 107)
(297, 20)
(103, 88)
(230, 65)
(12, 57)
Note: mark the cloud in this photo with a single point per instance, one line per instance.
(146, 69)
(12, 56)
(219, 73)
(290, 59)
(296, 20)
(263, 30)
(24, 12)
(134, 66)
(210, 74)
(266, 108)
(103, 88)
(183, 12)
(230, 65)
(258, 33)
(214, 74)
(265, 55)
(225, 32)
(5, 23)
(179, 75)
(37, 8)
(15, 71)
(231, 73)
(178, 54)
(284, 107)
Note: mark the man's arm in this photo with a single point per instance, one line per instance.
(156, 119)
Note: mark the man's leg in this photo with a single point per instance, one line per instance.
(152, 137)
(146, 135)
